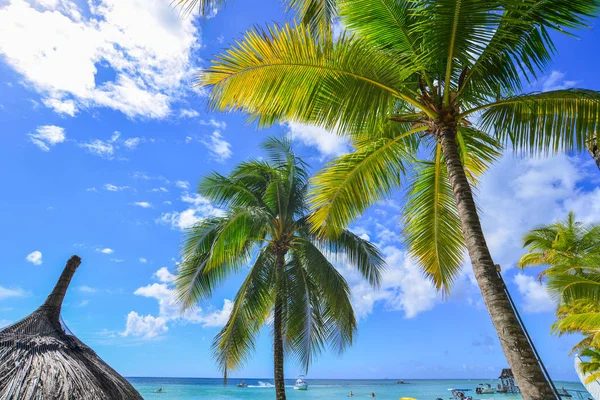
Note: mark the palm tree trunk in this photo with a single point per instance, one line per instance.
(518, 352)
(594, 150)
(278, 330)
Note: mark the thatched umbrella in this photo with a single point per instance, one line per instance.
(41, 359)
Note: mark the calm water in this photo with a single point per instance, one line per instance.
(191, 388)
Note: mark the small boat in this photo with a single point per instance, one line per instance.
(242, 384)
(301, 383)
(485, 388)
(459, 394)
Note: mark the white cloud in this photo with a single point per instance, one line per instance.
(556, 81)
(404, 288)
(99, 148)
(35, 257)
(61, 51)
(6, 293)
(61, 107)
(105, 250)
(47, 136)
(219, 148)
(170, 311)
(185, 185)
(87, 289)
(146, 327)
(143, 204)
(536, 298)
(218, 318)
(164, 275)
(327, 143)
(143, 260)
(113, 188)
(214, 123)
(187, 113)
(201, 209)
(518, 194)
(133, 142)
(160, 190)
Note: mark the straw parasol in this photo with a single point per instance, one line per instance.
(41, 359)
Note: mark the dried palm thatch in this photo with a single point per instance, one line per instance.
(41, 359)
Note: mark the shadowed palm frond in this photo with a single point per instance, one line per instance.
(251, 307)
(522, 45)
(361, 253)
(545, 122)
(347, 186)
(432, 228)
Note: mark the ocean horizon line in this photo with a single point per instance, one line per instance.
(406, 380)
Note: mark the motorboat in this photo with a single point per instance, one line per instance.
(485, 388)
(242, 384)
(300, 384)
(459, 394)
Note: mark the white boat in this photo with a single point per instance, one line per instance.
(242, 384)
(592, 387)
(485, 388)
(301, 384)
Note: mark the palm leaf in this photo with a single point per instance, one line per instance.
(234, 343)
(347, 186)
(283, 74)
(432, 228)
(521, 44)
(545, 122)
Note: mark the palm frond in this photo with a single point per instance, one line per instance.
(521, 44)
(334, 294)
(388, 25)
(347, 186)
(432, 228)
(317, 14)
(362, 254)
(477, 151)
(283, 74)
(545, 122)
(235, 342)
(455, 33)
(205, 8)
(305, 327)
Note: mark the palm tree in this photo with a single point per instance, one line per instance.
(291, 280)
(418, 78)
(571, 250)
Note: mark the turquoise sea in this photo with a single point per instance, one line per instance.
(204, 388)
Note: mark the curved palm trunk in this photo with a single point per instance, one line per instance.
(518, 352)
(278, 330)
(594, 150)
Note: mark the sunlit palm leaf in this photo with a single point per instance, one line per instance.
(283, 74)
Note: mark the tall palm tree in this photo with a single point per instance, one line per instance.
(571, 251)
(418, 78)
(291, 279)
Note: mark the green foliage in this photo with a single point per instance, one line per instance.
(265, 218)
(571, 250)
(408, 71)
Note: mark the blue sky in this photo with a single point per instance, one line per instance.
(104, 140)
